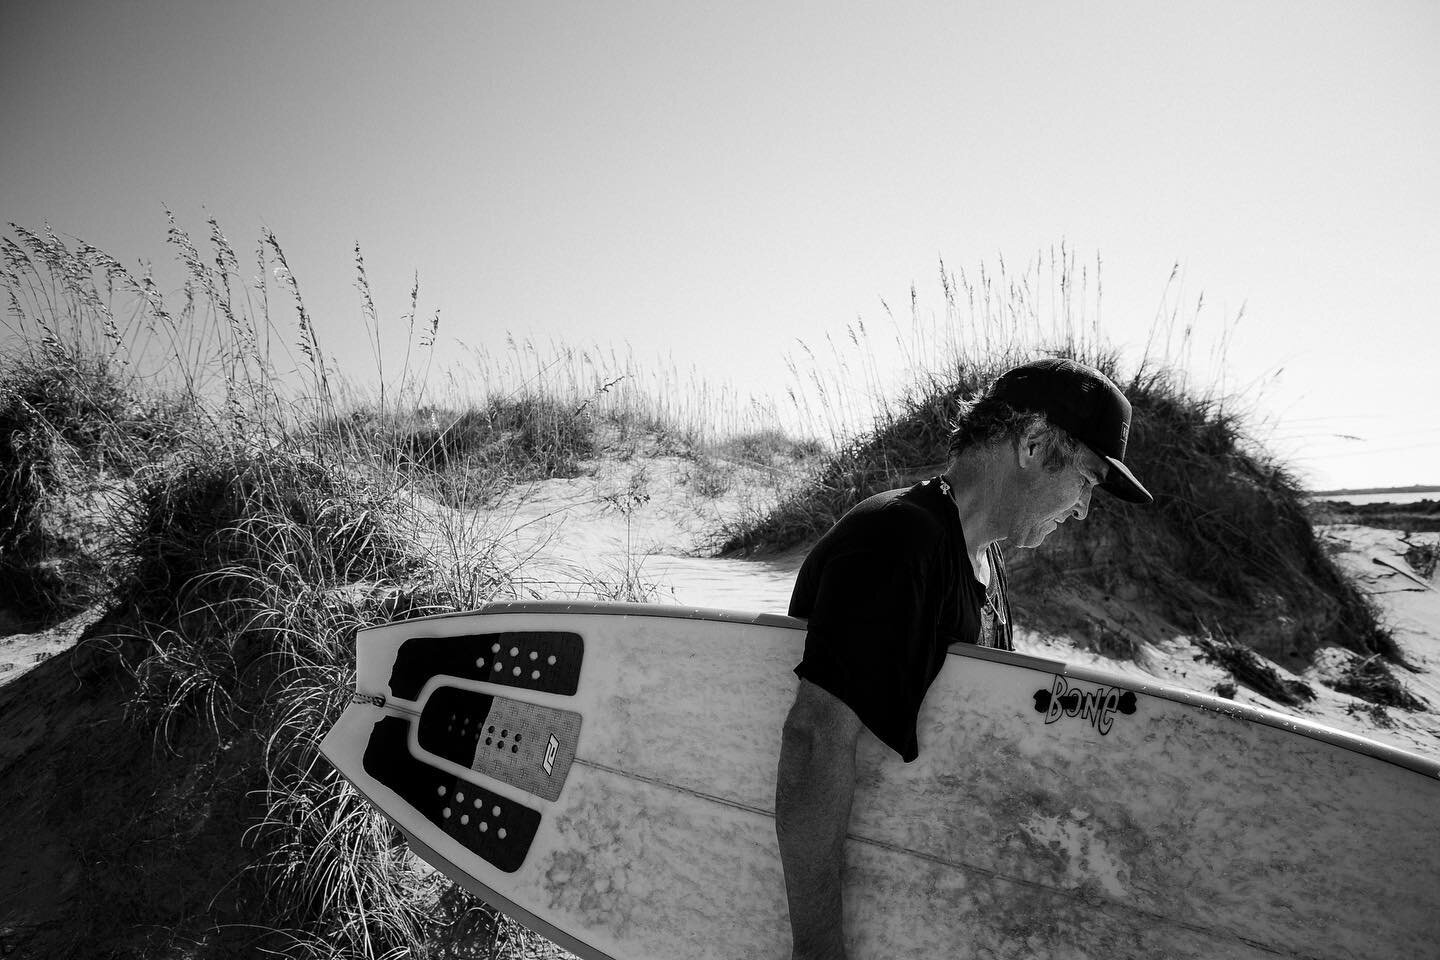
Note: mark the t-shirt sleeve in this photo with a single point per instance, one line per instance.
(867, 642)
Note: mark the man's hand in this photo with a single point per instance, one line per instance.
(813, 790)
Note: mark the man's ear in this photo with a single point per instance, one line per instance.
(1030, 447)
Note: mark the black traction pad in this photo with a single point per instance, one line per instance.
(544, 660)
(496, 829)
(523, 744)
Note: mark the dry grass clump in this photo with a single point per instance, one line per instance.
(766, 448)
(1369, 679)
(1249, 668)
(464, 458)
(527, 437)
(1423, 557)
(715, 468)
(42, 566)
(709, 477)
(71, 428)
(230, 554)
(199, 518)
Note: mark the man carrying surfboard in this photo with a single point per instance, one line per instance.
(906, 573)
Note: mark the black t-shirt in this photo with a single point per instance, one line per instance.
(886, 591)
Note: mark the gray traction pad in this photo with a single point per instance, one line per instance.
(521, 744)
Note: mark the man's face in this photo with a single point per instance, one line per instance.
(1047, 499)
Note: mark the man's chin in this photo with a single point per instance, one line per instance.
(1038, 535)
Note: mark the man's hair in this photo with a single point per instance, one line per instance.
(986, 420)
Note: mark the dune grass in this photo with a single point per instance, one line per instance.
(251, 512)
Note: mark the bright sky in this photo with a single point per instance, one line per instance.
(718, 184)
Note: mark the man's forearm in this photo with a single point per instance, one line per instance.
(814, 788)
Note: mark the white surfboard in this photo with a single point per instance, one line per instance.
(605, 774)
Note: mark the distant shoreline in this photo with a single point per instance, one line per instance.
(1416, 509)
(1369, 491)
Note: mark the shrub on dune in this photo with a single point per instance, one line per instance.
(465, 457)
(242, 608)
(1227, 548)
(70, 425)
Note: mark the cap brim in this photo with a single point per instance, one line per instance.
(1120, 482)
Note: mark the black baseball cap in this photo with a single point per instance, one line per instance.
(1084, 403)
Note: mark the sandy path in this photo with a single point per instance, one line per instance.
(642, 518)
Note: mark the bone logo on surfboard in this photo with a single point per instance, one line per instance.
(1097, 705)
(551, 749)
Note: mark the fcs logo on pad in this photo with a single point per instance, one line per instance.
(1098, 706)
(551, 749)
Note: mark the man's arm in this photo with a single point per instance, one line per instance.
(813, 790)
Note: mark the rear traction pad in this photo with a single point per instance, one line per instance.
(498, 830)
